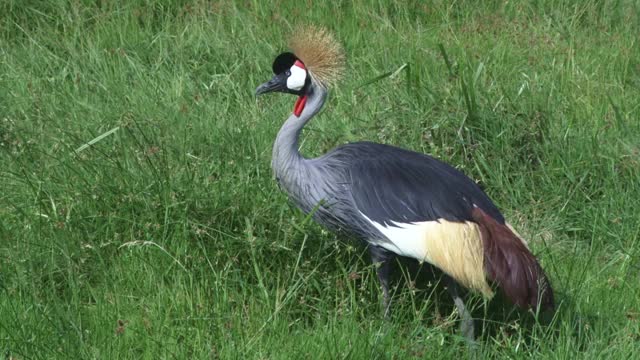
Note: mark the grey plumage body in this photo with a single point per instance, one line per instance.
(386, 184)
(320, 184)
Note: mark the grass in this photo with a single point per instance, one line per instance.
(139, 219)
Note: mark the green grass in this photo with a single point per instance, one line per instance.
(139, 218)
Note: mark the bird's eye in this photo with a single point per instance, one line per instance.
(288, 73)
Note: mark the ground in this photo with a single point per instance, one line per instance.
(139, 217)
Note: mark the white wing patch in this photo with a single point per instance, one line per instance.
(454, 247)
(404, 239)
(296, 80)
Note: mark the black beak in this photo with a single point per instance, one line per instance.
(277, 83)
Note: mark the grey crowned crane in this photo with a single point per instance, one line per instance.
(400, 202)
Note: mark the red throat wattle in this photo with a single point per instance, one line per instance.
(302, 99)
(299, 106)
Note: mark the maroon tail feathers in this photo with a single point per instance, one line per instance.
(509, 263)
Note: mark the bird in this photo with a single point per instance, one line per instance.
(400, 203)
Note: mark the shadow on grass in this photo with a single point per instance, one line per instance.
(497, 320)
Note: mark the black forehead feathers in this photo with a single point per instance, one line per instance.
(283, 62)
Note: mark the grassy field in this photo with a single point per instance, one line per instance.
(139, 217)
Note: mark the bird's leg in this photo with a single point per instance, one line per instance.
(382, 258)
(466, 324)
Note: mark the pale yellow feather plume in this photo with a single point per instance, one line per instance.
(320, 52)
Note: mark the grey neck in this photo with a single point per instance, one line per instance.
(287, 159)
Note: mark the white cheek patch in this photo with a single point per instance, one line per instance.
(296, 80)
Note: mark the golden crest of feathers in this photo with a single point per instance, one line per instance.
(320, 52)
